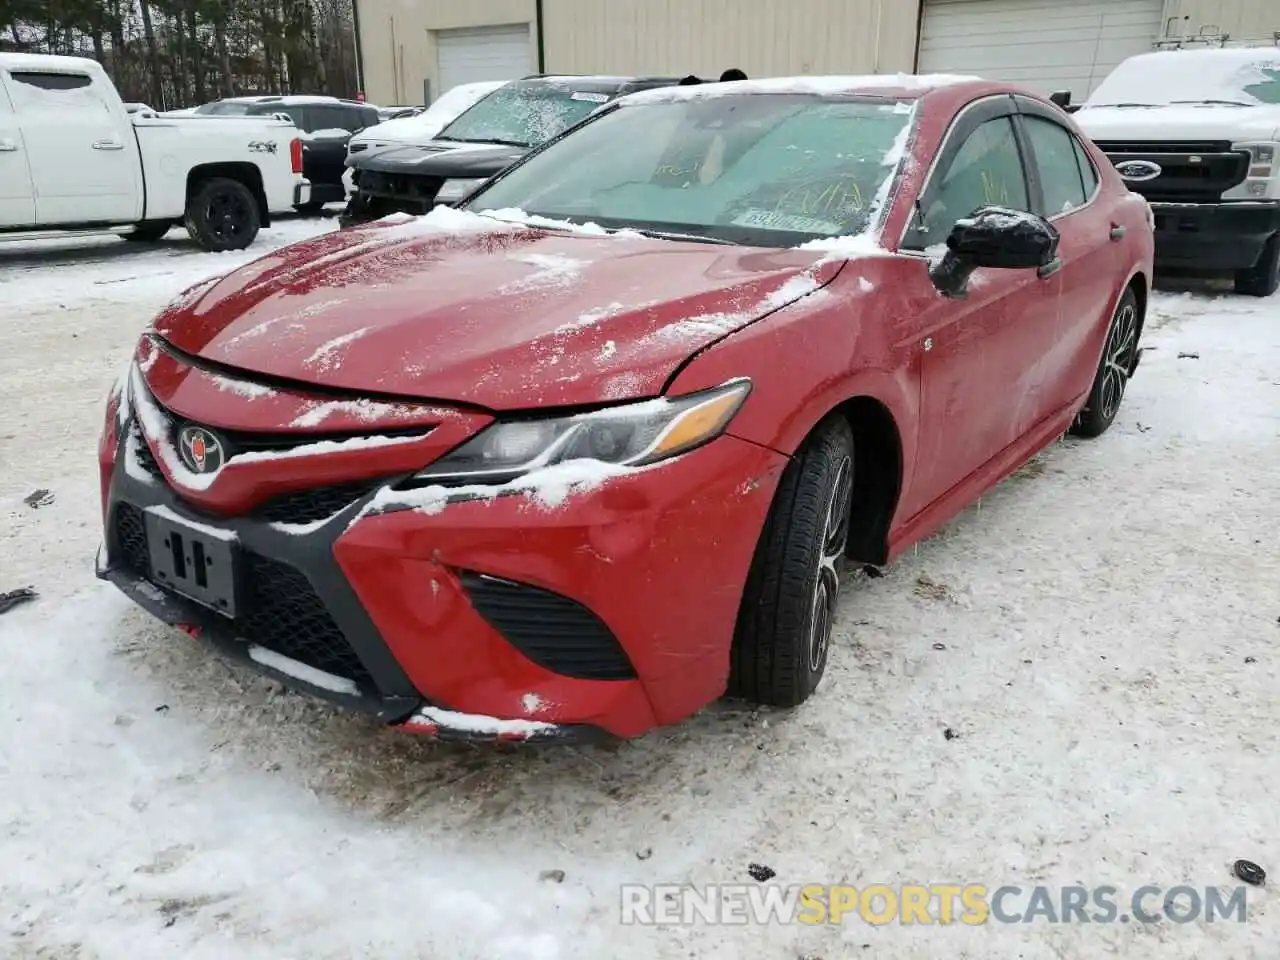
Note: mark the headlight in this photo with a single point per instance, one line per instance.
(633, 435)
(453, 190)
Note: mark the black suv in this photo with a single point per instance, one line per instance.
(480, 142)
(326, 123)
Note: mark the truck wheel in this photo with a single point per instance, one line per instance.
(148, 232)
(222, 215)
(1263, 278)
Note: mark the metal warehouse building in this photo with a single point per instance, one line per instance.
(416, 49)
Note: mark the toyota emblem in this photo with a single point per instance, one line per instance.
(200, 450)
(1138, 171)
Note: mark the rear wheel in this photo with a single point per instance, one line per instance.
(222, 215)
(1119, 360)
(1263, 278)
(788, 606)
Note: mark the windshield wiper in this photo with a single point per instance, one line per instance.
(1122, 104)
(1225, 103)
(502, 143)
(665, 235)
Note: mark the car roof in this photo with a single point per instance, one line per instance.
(595, 83)
(901, 85)
(44, 61)
(292, 100)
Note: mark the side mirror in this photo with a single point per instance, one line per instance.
(1061, 97)
(997, 238)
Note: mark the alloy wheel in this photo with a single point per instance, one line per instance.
(826, 586)
(1118, 360)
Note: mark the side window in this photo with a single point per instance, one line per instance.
(324, 117)
(986, 170)
(1055, 152)
(1087, 173)
(367, 118)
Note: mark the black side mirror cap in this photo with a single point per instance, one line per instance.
(1061, 97)
(997, 238)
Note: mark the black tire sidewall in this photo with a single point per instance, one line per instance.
(770, 662)
(200, 229)
(1091, 422)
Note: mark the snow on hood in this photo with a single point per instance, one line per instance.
(459, 307)
(1182, 122)
(815, 85)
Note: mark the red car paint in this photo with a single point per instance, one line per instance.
(456, 329)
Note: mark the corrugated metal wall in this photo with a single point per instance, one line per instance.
(398, 47)
(1242, 19)
(762, 37)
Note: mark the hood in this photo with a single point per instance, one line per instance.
(1179, 122)
(413, 130)
(441, 159)
(460, 308)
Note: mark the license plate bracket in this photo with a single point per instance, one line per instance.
(192, 561)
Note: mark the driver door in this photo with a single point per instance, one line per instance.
(976, 375)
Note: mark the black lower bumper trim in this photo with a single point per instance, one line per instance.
(1213, 237)
(219, 633)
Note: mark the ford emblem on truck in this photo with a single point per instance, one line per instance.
(1136, 171)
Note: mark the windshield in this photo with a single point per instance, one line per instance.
(225, 109)
(523, 114)
(1221, 78)
(762, 170)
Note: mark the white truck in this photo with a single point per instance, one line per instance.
(1197, 132)
(73, 159)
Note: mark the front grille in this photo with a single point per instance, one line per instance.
(311, 506)
(131, 540)
(280, 610)
(284, 614)
(406, 191)
(1190, 171)
(556, 633)
(142, 455)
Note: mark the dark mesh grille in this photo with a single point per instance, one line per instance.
(131, 540)
(284, 614)
(554, 632)
(309, 506)
(144, 457)
(280, 611)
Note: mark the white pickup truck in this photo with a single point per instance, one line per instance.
(1197, 132)
(73, 159)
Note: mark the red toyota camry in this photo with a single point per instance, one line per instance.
(586, 453)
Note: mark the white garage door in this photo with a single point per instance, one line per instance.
(482, 53)
(1044, 45)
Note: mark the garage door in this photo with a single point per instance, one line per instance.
(1044, 46)
(483, 53)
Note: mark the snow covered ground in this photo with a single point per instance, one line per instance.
(1101, 637)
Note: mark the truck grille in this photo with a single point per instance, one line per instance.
(1192, 171)
(404, 193)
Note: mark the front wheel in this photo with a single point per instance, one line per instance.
(1263, 278)
(788, 605)
(222, 215)
(1119, 360)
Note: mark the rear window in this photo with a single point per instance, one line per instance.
(52, 81)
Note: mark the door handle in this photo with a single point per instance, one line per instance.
(8, 146)
(1050, 268)
(108, 145)
(1117, 232)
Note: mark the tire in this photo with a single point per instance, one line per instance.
(149, 232)
(1119, 360)
(784, 625)
(222, 215)
(1263, 278)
